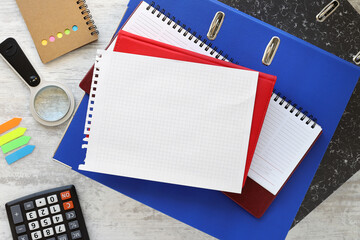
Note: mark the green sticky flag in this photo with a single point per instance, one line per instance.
(21, 141)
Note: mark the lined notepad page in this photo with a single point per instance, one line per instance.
(170, 121)
(283, 142)
(145, 22)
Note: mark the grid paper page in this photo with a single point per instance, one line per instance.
(171, 121)
(283, 142)
(146, 23)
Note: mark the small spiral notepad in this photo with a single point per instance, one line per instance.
(58, 26)
(285, 138)
(169, 121)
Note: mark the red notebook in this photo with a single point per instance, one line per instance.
(130, 43)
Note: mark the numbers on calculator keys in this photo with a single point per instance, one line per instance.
(34, 225)
(31, 215)
(60, 228)
(55, 209)
(48, 232)
(52, 199)
(36, 235)
(57, 218)
(45, 222)
(43, 212)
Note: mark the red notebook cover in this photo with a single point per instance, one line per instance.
(130, 43)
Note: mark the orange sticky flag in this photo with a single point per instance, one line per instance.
(9, 125)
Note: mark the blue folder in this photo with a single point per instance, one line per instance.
(317, 81)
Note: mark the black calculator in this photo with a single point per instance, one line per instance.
(54, 214)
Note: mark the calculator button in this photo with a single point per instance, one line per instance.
(74, 225)
(36, 235)
(34, 225)
(55, 209)
(51, 238)
(70, 215)
(45, 222)
(29, 205)
(65, 195)
(76, 234)
(60, 228)
(63, 237)
(23, 237)
(68, 205)
(48, 232)
(16, 214)
(43, 212)
(40, 202)
(31, 215)
(20, 229)
(57, 219)
(52, 199)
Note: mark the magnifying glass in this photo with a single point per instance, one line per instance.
(51, 103)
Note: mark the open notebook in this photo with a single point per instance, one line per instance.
(170, 121)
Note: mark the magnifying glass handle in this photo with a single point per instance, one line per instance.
(16, 58)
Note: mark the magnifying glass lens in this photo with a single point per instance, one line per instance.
(51, 103)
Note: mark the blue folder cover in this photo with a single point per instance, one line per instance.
(317, 81)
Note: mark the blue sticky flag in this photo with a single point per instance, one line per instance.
(23, 152)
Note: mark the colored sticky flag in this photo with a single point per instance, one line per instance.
(12, 135)
(23, 152)
(9, 125)
(21, 141)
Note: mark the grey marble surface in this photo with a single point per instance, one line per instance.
(336, 218)
(109, 214)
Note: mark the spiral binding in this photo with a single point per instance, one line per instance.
(90, 110)
(87, 16)
(293, 107)
(186, 32)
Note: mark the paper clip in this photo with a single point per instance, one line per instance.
(356, 58)
(215, 25)
(270, 50)
(327, 11)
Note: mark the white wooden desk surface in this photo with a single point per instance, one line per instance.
(109, 215)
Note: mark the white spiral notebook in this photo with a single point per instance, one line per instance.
(170, 121)
(286, 136)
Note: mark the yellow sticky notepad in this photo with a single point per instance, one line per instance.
(12, 135)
